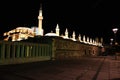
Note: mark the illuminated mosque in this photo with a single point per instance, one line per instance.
(23, 33)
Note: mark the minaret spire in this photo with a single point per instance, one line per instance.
(57, 30)
(40, 11)
(40, 18)
(66, 33)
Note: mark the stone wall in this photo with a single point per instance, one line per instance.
(23, 52)
(44, 48)
(69, 49)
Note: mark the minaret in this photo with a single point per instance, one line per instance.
(88, 40)
(79, 37)
(73, 35)
(57, 30)
(40, 18)
(66, 33)
(84, 39)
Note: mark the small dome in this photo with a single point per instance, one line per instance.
(23, 28)
(51, 34)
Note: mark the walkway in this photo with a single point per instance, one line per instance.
(86, 68)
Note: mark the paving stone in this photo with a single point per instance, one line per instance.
(87, 68)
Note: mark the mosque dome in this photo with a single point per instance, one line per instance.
(51, 34)
(23, 28)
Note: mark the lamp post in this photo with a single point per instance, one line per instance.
(111, 41)
(115, 42)
(115, 31)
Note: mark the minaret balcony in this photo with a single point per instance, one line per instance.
(40, 17)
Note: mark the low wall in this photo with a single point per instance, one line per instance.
(44, 48)
(22, 52)
(69, 49)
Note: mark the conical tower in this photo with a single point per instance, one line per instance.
(57, 30)
(40, 18)
(66, 33)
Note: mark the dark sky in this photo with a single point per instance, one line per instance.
(93, 18)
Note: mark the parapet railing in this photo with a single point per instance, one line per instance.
(24, 51)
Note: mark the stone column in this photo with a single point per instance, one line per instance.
(22, 51)
(8, 51)
(28, 51)
(37, 52)
(2, 51)
(25, 53)
(33, 51)
(13, 51)
(18, 51)
(53, 49)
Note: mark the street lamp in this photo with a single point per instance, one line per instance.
(115, 31)
(115, 43)
(111, 41)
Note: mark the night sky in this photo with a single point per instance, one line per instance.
(93, 18)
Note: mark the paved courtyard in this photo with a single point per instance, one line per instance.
(86, 68)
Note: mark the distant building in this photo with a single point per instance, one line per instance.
(22, 33)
